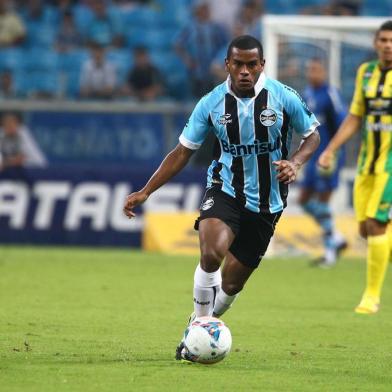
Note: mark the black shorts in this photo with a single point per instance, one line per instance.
(253, 231)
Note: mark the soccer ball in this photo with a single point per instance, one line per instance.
(207, 340)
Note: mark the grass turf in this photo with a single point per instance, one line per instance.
(109, 320)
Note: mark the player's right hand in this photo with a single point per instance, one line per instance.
(326, 160)
(133, 200)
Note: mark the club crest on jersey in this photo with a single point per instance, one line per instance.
(225, 119)
(207, 204)
(268, 117)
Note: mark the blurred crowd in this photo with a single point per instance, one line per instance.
(127, 49)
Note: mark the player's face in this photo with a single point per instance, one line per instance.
(383, 44)
(10, 124)
(244, 68)
(315, 73)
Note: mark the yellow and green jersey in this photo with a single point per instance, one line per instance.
(373, 102)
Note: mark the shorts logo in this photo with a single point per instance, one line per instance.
(207, 204)
(225, 119)
(268, 117)
(384, 206)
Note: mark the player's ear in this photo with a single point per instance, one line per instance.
(227, 65)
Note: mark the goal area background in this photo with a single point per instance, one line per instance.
(342, 43)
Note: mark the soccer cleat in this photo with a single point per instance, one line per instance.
(331, 256)
(181, 351)
(368, 305)
(343, 245)
(322, 262)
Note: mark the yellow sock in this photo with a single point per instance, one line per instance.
(377, 262)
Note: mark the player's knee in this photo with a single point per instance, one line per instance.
(363, 234)
(362, 229)
(211, 259)
(374, 227)
(232, 288)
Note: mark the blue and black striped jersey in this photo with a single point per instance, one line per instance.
(252, 132)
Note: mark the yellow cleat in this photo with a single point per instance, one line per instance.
(368, 305)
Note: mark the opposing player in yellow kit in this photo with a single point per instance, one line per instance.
(371, 111)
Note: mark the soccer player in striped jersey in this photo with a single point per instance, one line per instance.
(371, 112)
(317, 184)
(253, 118)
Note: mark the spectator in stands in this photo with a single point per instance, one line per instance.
(7, 85)
(12, 29)
(105, 27)
(249, 18)
(63, 5)
(335, 7)
(344, 7)
(68, 37)
(225, 12)
(144, 79)
(17, 146)
(129, 4)
(98, 76)
(36, 11)
(197, 44)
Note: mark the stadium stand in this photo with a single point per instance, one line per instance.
(47, 71)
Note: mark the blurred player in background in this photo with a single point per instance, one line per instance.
(253, 117)
(371, 111)
(318, 184)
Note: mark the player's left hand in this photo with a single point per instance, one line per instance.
(133, 200)
(287, 171)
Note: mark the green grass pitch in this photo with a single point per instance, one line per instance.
(109, 320)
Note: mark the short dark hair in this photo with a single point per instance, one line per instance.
(245, 42)
(316, 59)
(385, 26)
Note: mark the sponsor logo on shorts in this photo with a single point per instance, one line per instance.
(207, 204)
(268, 117)
(384, 206)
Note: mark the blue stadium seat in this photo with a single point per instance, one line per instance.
(32, 83)
(40, 35)
(142, 16)
(72, 61)
(40, 59)
(70, 65)
(122, 58)
(11, 59)
(71, 84)
(82, 17)
(376, 8)
(22, 83)
(174, 12)
(153, 39)
(46, 82)
(174, 73)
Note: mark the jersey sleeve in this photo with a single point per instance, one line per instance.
(197, 127)
(357, 107)
(302, 120)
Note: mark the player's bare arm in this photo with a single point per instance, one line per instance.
(350, 126)
(288, 169)
(173, 163)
